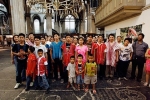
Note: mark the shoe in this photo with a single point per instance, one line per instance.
(17, 86)
(31, 84)
(138, 80)
(53, 80)
(125, 78)
(132, 78)
(47, 91)
(27, 89)
(61, 81)
(119, 78)
(146, 84)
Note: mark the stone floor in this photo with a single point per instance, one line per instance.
(106, 90)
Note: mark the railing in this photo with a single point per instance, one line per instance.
(109, 7)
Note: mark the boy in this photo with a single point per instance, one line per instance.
(80, 71)
(20, 51)
(124, 59)
(56, 57)
(90, 43)
(31, 67)
(68, 50)
(90, 73)
(38, 45)
(71, 71)
(40, 79)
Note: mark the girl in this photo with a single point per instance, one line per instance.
(147, 55)
(111, 56)
(81, 49)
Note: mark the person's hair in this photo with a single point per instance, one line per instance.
(80, 56)
(30, 34)
(14, 38)
(101, 36)
(90, 35)
(37, 37)
(119, 36)
(40, 50)
(27, 36)
(21, 34)
(68, 35)
(127, 39)
(90, 54)
(72, 57)
(141, 35)
(31, 48)
(43, 37)
(111, 35)
(55, 34)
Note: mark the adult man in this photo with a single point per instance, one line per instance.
(90, 43)
(139, 48)
(21, 51)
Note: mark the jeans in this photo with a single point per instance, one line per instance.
(21, 68)
(80, 80)
(41, 81)
(16, 64)
(29, 79)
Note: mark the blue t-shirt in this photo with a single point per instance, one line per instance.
(56, 49)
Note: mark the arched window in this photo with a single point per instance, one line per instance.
(36, 26)
(70, 24)
(45, 28)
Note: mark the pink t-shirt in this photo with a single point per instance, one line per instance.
(82, 50)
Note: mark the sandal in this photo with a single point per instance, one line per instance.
(94, 91)
(86, 90)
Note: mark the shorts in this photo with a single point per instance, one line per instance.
(90, 79)
(72, 79)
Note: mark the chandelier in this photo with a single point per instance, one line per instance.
(56, 6)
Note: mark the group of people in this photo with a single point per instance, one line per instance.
(79, 61)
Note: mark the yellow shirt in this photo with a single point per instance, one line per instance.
(90, 68)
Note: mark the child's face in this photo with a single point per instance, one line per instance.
(40, 54)
(90, 58)
(126, 42)
(29, 50)
(80, 59)
(72, 60)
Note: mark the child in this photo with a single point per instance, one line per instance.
(40, 79)
(80, 71)
(90, 73)
(71, 72)
(81, 49)
(31, 67)
(147, 55)
(125, 55)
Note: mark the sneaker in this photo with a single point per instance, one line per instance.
(31, 84)
(119, 78)
(27, 89)
(17, 86)
(47, 91)
(146, 84)
(61, 81)
(125, 78)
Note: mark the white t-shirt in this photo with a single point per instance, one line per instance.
(48, 42)
(125, 52)
(71, 69)
(40, 47)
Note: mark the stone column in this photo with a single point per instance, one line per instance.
(42, 27)
(17, 13)
(29, 25)
(90, 24)
(57, 27)
(49, 24)
(82, 24)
